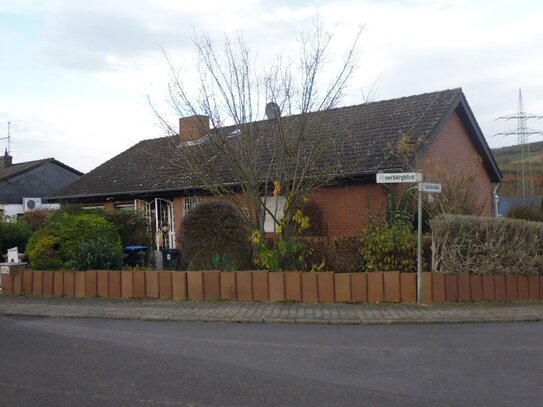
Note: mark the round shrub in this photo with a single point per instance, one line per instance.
(14, 234)
(132, 227)
(389, 247)
(77, 242)
(215, 235)
(96, 254)
(43, 251)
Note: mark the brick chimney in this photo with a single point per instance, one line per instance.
(6, 161)
(193, 128)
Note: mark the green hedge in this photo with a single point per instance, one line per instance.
(14, 234)
(215, 235)
(75, 241)
(389, 246)
(339, 254)
(526, 213)
(132, 227)
(486, 245)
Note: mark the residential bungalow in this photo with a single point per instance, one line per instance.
(440, 126)
(25, 186)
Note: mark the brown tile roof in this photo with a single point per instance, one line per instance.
(154, 165)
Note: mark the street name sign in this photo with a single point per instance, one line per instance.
(430, 187)
(398, 177)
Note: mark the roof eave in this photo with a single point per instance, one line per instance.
(478, 138)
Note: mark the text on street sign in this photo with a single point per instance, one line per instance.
(398, 177)
(430, 187)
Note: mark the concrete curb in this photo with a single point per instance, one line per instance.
(272, 320)
(271, 313)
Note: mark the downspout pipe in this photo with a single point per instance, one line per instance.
(496, 199)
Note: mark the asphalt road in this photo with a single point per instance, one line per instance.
(91, 362)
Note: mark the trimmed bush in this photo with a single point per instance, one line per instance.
(486, 245)
(14, 234)
(389, 247)
(132, 227)
(75, 242)
(215, 235)
(97, 253)
(339, 254)
(526, 213)
(278, 254)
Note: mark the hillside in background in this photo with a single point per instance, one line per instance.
(508, 158)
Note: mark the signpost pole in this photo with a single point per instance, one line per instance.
(432, 188)
(419, 247)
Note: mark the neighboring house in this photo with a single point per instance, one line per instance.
(26, 186)
(148, 175)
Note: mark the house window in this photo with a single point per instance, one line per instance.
(124, 207)
(93, 207)
(275, 205)
(189, 203)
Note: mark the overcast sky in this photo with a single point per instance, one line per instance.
(75, 75)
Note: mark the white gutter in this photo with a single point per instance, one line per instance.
(496, 199)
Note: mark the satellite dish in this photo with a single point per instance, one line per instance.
(273, 111)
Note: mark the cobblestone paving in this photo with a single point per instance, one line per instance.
(222, 311)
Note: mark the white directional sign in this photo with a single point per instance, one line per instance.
(393, 178)
(430, 187)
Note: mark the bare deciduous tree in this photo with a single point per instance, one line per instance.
(250, 160)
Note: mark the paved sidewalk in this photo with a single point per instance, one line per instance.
(222, 311)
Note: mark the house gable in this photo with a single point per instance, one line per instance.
(454, 153)
(34, 179)
(470, 130)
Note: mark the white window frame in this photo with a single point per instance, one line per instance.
(275, 204)
(125, 207)
(93, 207)
(189, 203)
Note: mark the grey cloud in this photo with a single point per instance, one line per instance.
(84, 40)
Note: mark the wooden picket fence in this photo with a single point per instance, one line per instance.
(263, 286)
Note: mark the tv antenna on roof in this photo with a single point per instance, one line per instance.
(8, 138)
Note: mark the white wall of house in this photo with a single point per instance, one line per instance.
(11, 210)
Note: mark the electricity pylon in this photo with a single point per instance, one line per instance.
(525, 181)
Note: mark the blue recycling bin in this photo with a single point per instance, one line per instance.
(135, 255)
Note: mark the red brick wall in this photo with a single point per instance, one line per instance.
(344, 209)
(454, 152)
